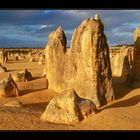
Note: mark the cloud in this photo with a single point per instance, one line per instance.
(35, 25)
(119, 23)
(45, 26)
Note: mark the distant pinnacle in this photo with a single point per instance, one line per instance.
(97, 17)
(59, 28)
(137, 28)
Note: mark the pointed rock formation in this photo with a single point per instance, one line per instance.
(96, 17)
(32, 59)
(8, 87)
(120, 63)
(55, 58)
(67, 108)
(136, 56)
(16, 58)
(90, 54)
(27, 75)
(85, 66)
(22, 76)
(44, 72)
(40, 62)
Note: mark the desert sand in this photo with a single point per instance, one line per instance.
(123, 113)
(85, 87)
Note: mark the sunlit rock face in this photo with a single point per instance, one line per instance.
(120, 63)
(55, 60)
(2, 69)
(67, 108)
(8, 87)
(22, 76)
(85, 66)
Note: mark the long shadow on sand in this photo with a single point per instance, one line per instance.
(37, 77)
(27, 91)
(21, 69)
(37, 107)
(120, 88)
(11, 62)
(10, 70)
(125, 103)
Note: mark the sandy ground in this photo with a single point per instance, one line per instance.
(122, 114)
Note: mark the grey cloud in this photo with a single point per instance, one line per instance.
(119, 24)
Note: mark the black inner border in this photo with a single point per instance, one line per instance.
(69, 4)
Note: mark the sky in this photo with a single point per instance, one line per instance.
(30, 28)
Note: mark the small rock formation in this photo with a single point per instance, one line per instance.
(22, 76)
(120, 63)
(27, 75)
(67, 108)
(85, 66)
(16, 57)
(96, 17)
(44, 72)
(32, 59)
(5, 55)
(2, 69)
(8, 87)
(40, 62)
(14, 104)
(22, 58)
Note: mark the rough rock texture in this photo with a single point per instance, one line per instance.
(14, 104)
(90, 54)
(32, 59)
(22, 76)
(40, 62)
(22, 58)
(120, 64)
(130, 56)
(85, 66)
(44, 72)
(55, 61)
(136, 57)
(8, 87)
(67, 108)
(2, 69)
(16, 58)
